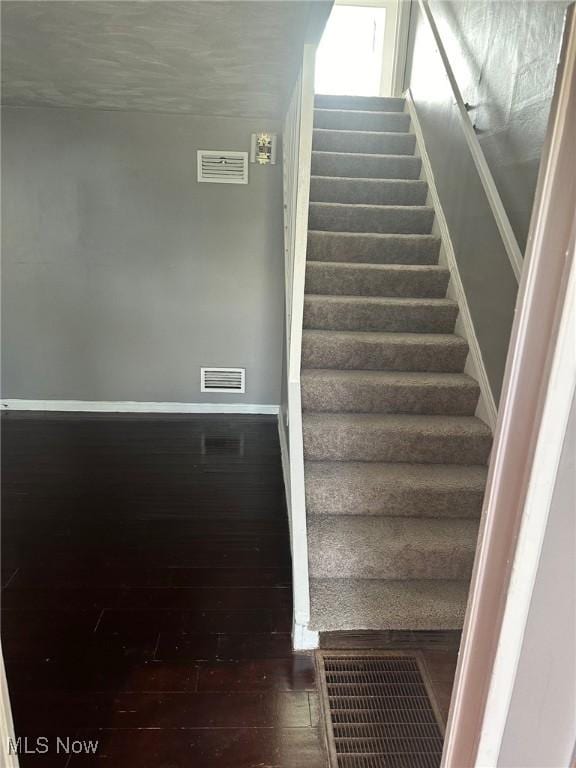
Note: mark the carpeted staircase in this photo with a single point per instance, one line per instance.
(394, 456)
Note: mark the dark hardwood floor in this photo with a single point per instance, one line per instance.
(147, 599)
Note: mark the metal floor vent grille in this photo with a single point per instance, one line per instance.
(378, 711)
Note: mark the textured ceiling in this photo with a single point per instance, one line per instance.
(206, 58)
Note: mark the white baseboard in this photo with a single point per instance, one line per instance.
(128, 406)
(304, 639)
(475, 367)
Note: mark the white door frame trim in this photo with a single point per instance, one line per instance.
(539, 384)
(8, 758)
(561, 389)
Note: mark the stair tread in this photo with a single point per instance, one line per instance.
(400, 378)
(372, 247)
(371, 267)
(371, 206)
(395, 437)
(362, 132)
(377, 235)
(379, 313)
(448, 477)
(345, 101)
(385, 532)
(383, 121)
(394, 490)
(370, 156)
(362, 111)
(369, 180)
(355, 604)
(331, 390)
(361, 217)
(379, 547)
(421, 423)
(382, 300)
(388, 337)
(383, 350)
(341, 278)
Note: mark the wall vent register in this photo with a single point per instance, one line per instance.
(222, 167)
(223, 380)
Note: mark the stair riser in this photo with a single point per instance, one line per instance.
(376, 397)
(342, 280)
(392, 501)
(370, 103)
(391, 356)
(342, 120)
(384, 220)
(368, 143)
(371, 443)
(323, 246)
(410, 563)
(388, 192)
(365, 166)
(367, 316)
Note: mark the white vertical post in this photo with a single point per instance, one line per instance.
(8, 755)
(297, 163)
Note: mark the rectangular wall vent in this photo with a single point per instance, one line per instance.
(222, 167)
(223, 380)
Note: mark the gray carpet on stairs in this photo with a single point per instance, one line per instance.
(394, 490)
(400, 280)
(420, 439)
(369, 103)
(365, 166)
(382, 219)
(426, 604)
(375, 313)
(395, 459)
(364, 350)
(336, 189)
(372, 248)
(388, 392)
(356, 120)
(378, 547)
(368, 142)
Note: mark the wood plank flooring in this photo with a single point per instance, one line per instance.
(147, 598)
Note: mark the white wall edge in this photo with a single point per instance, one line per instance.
(284, 453)
(304, 639)
(7, 735)
(285, 459)
(475, 367)
(550, 441)
(299, 124)
(129, 406)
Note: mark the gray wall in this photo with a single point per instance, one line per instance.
(541, 725)
(504, 56)
(121, 274)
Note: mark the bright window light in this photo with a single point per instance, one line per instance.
(349, 58)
